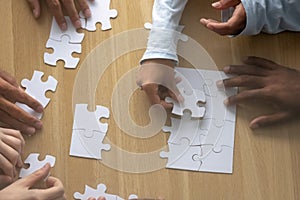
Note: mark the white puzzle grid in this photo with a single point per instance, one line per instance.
(207, 143)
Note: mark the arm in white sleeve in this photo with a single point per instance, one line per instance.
(163, 37)
(271, 16)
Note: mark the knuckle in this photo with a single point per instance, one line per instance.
(54, 4)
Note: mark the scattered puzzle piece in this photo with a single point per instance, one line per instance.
(62, 50)
(101, 13)
(36, 164)
(36, 88)
(100, 191)
(56, 33)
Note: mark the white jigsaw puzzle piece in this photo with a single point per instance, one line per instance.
(191, 103)
(93, 123)
(217, 162)
(185, 128)
(88, 147)
(181, 156)
(56, 33)
(101, 13)
(62, 51)
(95, 193)
(36, 164)
(36, 88)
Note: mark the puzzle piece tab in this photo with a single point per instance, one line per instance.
(62, 50)
(36, 88)
(36, 164)
(56, 33)
(101, 13)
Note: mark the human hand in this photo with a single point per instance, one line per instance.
(11, 114)
(234, 25)
(157, 78)
(11, 147)
(269, 82)
(22, 188)
(57, 6)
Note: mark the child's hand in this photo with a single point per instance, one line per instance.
(234, 25)
(11, 147)
(22, 189)
(267, 81)
(157, 78)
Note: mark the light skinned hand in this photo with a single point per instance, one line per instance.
(11, 147)
(269, 82)
(22, 188)
(157, 78)
(57, 7)
(234, 25)
(11, 114)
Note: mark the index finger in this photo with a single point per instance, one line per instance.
(21, 96)
(55, 189)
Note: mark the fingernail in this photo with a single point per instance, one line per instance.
(216, 4)
(226, 69)
(180, 98)
(254, 126)
(39, 125)
(35, 13)
(77, 24)
(220, 84)
(87, 13)
(30, 131)
(40, 109)
(226, 102)
(63, 26)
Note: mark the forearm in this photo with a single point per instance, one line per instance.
(165, 32)
(271, 16)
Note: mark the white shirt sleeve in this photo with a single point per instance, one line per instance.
(165, 31)
(271, 16)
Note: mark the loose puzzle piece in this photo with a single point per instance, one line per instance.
(88, 147)
(63, 50)
(181, 156)
(36, 164)
(36, 88)
(90, 121)
(191, 103)
(57, 34)
(100, 191)
(101, 13)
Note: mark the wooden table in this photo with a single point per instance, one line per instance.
(266, 162)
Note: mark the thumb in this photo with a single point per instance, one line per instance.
(269, 119)
(223, 4)
(35, 7)
(37, 176)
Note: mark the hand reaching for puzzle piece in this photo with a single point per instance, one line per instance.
(54, 188)
(11, 114)
(57, 6)
(269, 82)
(157, 78)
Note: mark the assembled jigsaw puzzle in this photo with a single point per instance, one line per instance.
(36, 88)
(205, 143)
(100, 191)
(101, 13)
(36, 164)
(88, 132)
